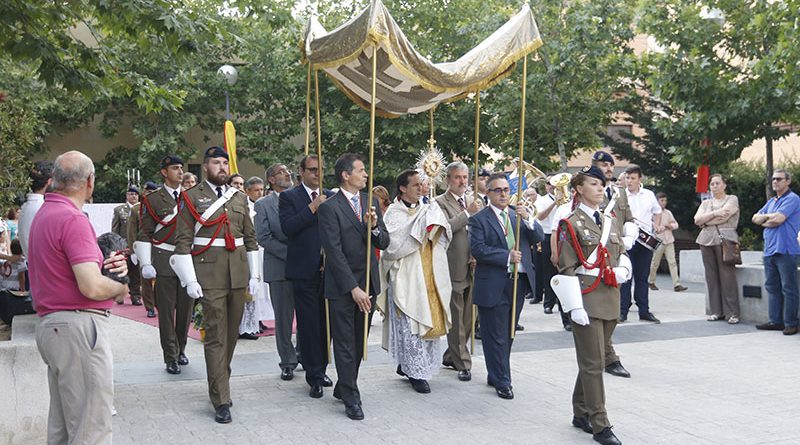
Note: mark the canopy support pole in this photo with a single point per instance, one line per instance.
(321, 186)
(475, 197)
(308, 107)
(369, 187)
(519, 193)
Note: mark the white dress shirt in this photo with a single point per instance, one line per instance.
(542, 202)
(643, 206)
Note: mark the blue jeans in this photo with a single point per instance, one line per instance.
(640, 260)
(780, 273)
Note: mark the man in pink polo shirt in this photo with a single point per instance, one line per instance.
(73, 299)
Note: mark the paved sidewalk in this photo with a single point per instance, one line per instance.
(694, 382)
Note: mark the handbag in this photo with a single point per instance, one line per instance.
(730, 250)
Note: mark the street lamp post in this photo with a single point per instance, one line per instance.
(231, 76)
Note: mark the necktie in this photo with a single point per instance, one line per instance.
(356, 206)
(175, 194)
(314, 195)
(461, 202)
(424, 199)
(597, 218)
(608, 193)
(485, 200)
(219, 192)
(510, 241)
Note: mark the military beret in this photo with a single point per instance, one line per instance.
(168, 160)
(150, 185)
(133, 189)
(483, 172)
(602, 156)
(593, 172)
(215, 152)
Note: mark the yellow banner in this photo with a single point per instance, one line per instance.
(230, 146)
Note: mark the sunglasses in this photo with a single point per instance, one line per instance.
(778, 179)
(500, 190)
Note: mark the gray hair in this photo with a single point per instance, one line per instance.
(273, 169)
(455, 165)
(254, 180)
(71, 170)
(785, 172)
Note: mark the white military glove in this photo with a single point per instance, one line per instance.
(624, 271)
(184, 269)
(630, 231)
(148, 272)
(579, 316)
(134, 258)
(143, 257)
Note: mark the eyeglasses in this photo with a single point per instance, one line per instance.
(312, 170)
(500, 190)
(778, 179)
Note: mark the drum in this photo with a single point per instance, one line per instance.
(648, 240)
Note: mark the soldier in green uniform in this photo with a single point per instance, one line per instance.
(592, 263)
(155, 244)
(215, 247)
(119, 225)
(624, 221)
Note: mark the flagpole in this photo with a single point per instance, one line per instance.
(321, 186)
(308, 107)
(519, 194)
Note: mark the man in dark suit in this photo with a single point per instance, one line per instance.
(271, 237)
(343, 223)
(297, 209)
(492, 242)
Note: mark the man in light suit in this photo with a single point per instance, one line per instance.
(492, 241)
(297, 209)
(274, 241)
(343, 223)
(458, 208)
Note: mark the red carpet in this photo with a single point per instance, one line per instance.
(139, 313)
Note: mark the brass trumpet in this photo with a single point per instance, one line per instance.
(533, 176)
(561, 184)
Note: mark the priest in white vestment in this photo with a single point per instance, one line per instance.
(416, 302)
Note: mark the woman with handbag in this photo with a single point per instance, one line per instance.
(719, 246)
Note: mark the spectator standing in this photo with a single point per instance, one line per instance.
(188, 180)
(780, 218)
(41, 182)
(12, 221)
(667, 246)
(73, 301)
(718, 217)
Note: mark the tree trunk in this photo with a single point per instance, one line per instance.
(769, 165)
(562, 155)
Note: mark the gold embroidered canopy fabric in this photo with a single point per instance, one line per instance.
(407, 82)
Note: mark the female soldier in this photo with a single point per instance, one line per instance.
(591, 253)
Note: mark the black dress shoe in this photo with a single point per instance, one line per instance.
(315, 391)
(173, 368)
(326, 381)
(136, 301)
(568, 327)
(519, 327)
(650, 317)
(336, 394)
(223, 414)
(623, 318)
(248, 336)
(770, 326)
(121, 301)
(447, 364)
(354, 412)
(420, 386)
(606, 437)
(548, 310)
(287, 374)
(151, 313)
(505, 393)
(536, 300)
(618, 370)
(583, 423)
(183, 360)
(464, 375)
(400, 372)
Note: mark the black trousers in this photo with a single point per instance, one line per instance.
(496, 333)
(547, 271)
(309, 307)
(347, 329)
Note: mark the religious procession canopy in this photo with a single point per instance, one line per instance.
(407, 82)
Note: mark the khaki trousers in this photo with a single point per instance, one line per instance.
(222, 312)
(174, 316)
(589, 395)
(80, 374)
(723, 292)
(460, 330)
(669, 251)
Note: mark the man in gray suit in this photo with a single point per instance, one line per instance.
(273, 240)
(458, 208)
